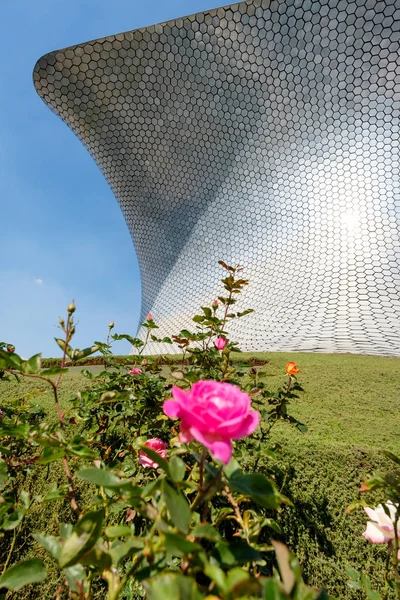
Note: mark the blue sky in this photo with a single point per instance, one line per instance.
(62, 233)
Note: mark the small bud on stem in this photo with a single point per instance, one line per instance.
(71, 308)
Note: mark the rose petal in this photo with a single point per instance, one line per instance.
(375, 535)
(172, 409)
(221, 450)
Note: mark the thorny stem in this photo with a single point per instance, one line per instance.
(227, 492)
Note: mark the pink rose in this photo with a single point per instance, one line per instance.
(158, 446)
(149, 317)
(144, 362)
(215, 303)
(213, 413)
(380, 530)
(220, 343)
(135, 371)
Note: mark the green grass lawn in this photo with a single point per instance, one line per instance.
(350, 407)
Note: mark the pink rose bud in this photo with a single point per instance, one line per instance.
(215, 303)
(135, 371)
(220, 343)
(158, 446)
(213, 413)
(149, 317)
(144, 362)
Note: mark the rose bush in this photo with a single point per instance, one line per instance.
(163, 519)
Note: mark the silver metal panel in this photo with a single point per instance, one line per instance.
(265, 133)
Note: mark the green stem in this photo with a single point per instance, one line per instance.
(15, 534)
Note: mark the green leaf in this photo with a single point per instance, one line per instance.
(56, 493)
(13, 520)
(177, 468)
(136, 343)
(10, 359)
(97, 557)
(352, 573)
(84, 536)
(207, 531)
(118, 530)
(217, 575)
(235, 553)
(49, 543)
(82, 451)
(172, 587)
(32, 365)
(236, 578)
(121, 550)
(68, 350)
(373, 595)
(54, 371)
(178, 507)
(23, 573)
(245, 312)
(262, 490)
(198, 318)
(50, 455)
(283, 558)
(271, 590)
(180, 546)
(101, 477)
(75, 575)
(78, 354)
(3, 472)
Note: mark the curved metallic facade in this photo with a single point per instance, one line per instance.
(264, 133)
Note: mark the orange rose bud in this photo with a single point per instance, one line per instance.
(291, 368)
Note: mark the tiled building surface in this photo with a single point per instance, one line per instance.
(264, 133)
